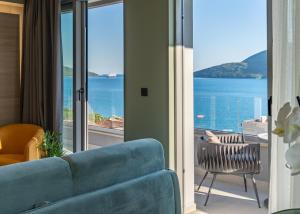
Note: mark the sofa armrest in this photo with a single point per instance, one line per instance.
(32, 151)
(176, 192)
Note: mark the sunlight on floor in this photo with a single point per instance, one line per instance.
(227, 198)
(218, 192)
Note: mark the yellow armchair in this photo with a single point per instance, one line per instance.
(19, 143)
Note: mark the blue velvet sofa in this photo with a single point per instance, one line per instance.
(127, 178)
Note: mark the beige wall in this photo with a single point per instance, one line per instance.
(147, 66)
(15, 1)
(10, 40)
(296, 179)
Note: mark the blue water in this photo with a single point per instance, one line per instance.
(222, 103)
(105, 96)
(225, 103)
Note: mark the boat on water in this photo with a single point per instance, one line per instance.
(111, 75)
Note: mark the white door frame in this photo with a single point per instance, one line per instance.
(184, 119)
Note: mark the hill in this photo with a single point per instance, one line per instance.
(254, 66)
(69, 72)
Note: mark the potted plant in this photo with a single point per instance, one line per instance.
(52, 145)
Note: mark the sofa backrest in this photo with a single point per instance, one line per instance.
(100, 168)
(156, 193)
(26, 185)
(30, 185)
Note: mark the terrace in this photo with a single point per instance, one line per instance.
(228, 196)
(225, 111)
(100, 134)
(228, 192)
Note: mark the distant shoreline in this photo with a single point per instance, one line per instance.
(246, 78)
(225, 102)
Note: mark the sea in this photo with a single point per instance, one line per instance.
(219, 104)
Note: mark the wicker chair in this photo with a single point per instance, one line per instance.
(231, 156)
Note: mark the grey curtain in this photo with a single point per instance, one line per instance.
(41, 98)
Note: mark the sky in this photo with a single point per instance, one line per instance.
(67, 38)
(105, 39)
(228, 31)
(224, 31)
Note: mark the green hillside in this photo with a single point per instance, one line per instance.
(69, 72)
(254, 66)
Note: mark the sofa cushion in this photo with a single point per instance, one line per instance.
(100, 168)
(6, 159)
(24, 185)
(151, 194)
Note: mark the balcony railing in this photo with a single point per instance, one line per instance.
(98, 136)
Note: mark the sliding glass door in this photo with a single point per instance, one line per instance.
(105, 110)
(67, 44)
(231, 80)
(73, 31)
(93, 61)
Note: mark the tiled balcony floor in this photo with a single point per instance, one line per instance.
(228, 198)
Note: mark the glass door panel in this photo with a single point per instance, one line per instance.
(105, 107)
(231, 77)
(67, 45)
(230, 66)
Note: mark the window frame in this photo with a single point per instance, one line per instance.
(92, 4)
(101, 3)
(79, 8)
(185, 146)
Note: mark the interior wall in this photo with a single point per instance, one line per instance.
(10, 37)
(15, 1)
(147, 66)
(296, 179)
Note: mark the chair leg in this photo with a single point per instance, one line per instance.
(211, 185)
(245, 182)
(206, 173)
(255, 189)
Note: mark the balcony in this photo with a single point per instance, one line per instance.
(228, 197)
(228, 194)
(98, 135)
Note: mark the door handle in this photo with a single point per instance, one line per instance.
(270, 106)
(80, 94)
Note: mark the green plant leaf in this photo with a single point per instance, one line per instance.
(52, 145)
